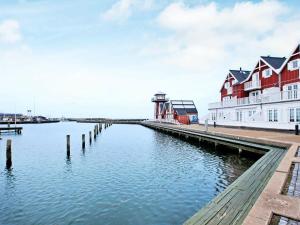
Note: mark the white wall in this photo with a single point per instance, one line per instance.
(260, 119)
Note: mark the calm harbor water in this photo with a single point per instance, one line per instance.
(130, 175)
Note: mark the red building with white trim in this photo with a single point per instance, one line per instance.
(174, 111)
(266, 97)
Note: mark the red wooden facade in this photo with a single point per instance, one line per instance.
(183, 119)
(266, 82)
(280, 76)
(288, 76)
(224, 91)
(238, 91)
(237, 88)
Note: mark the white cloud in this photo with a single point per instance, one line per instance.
(207, 40)
(208, 35)
(123, 9)
(10, 31)
(244, 16)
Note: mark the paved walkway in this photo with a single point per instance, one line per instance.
(258, 134)
(271, 201)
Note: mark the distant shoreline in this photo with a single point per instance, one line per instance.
(29, 122)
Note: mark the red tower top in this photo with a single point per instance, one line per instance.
(160, 97)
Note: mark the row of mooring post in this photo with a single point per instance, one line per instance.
(97, 130)
(106, 125)
(95, 133)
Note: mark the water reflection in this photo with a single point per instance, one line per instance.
(68, 167)
(218, 165)
(83, 152)
(10, 179)
(134, 176)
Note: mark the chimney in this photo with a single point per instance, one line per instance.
(240, 69)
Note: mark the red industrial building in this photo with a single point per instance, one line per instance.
(174, 111)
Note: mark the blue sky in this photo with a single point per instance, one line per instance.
(107, 58)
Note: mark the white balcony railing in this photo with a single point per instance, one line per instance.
(215, 105)
(252, 85)
(159, 99)
(264, 98)
(229, 103)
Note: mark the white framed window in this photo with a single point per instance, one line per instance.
(267, 73)
(255, 94)
(234, 81)
(292, 91)
(239, 116)
(294, 65)
(295, 91)
(270, 115)
(226, 99)
(214, 116)
(294, 114)
(273, 115)
(251, 113)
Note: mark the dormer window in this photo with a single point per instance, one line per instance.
(227, 85)
(294, 65)
(267, 73)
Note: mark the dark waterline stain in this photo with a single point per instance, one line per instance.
(130, 175)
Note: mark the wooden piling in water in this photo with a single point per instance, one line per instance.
(83, 141)
(90, 133)
(97, 129)
(68, 145)
(8, 154)
(95, 133)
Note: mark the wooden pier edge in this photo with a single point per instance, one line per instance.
(17, 130)
(233, 205)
